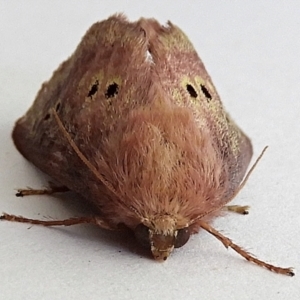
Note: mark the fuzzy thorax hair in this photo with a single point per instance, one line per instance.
(161, 164)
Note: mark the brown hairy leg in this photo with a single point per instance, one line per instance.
(47, 191)
(243, 210)
(228, 243)
(66, 222)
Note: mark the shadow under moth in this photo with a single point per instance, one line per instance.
(133, 123)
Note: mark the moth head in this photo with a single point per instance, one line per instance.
(161, 236)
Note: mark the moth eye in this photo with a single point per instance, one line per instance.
(182, 237)
(112, 90)
(142, 235)
(93, 89)
(205, 92)
(191, 91)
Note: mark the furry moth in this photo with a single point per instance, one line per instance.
(133, 123)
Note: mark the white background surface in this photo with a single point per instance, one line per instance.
(251, 49)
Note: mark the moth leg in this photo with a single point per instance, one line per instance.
(228, 243)
(47, 191)
(243, 210)
(66, 222)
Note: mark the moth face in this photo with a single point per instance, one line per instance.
(161, 244)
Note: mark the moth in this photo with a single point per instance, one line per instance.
(133, 123)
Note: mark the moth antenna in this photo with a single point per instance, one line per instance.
(236, 191)
(88, 164)
(228, 243)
